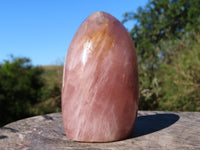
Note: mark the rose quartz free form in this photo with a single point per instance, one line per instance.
(100, 82)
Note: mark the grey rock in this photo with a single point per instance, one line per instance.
(154, 130)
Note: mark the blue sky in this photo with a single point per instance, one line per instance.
(43, 29)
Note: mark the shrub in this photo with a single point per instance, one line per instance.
(181, 79)
(20, 88)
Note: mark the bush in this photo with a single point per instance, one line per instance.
(180, 81)
(51, 92)
(20, 89)
(160, 27)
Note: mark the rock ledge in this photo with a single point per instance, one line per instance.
(154, 130)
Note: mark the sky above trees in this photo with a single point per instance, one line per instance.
(43, 29)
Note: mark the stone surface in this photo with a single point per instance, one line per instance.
(154, 130)
(100, 82)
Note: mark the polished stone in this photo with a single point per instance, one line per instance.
(100, 82)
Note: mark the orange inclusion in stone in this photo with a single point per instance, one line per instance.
(100, 42)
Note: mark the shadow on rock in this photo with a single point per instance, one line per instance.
(152, 123)
(3, 137)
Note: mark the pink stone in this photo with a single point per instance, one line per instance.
(100, 82)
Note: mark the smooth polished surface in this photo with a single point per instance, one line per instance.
(100, 82)
(154, 130)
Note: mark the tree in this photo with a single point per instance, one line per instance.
(159, 23)
(161, 20)
(20, 88)
(181, 78)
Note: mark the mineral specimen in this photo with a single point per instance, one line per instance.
(100, 82)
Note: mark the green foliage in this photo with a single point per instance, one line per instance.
(20, 88)
(181, 79)
(160, 23)
(51, 92)
(161, 20)
(26, 90)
